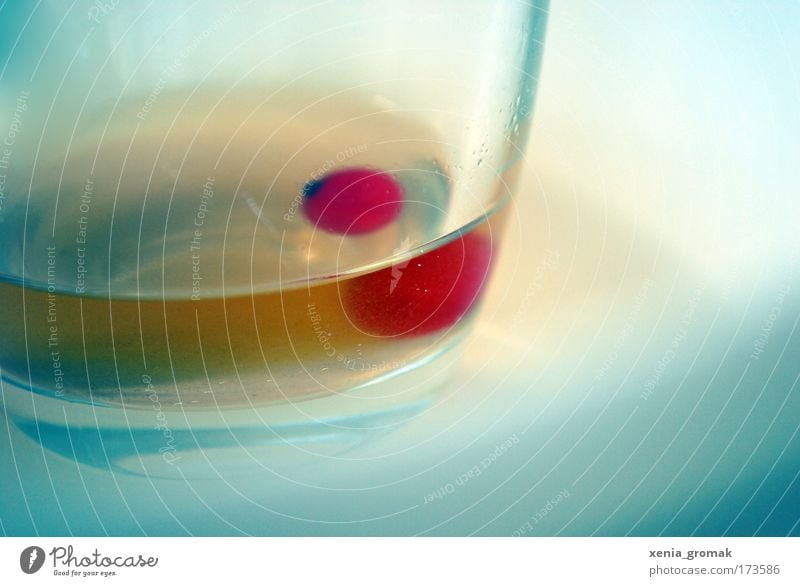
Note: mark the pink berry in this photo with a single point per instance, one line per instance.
(353, 201)
(424, 295)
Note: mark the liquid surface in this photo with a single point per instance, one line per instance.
(212, 192)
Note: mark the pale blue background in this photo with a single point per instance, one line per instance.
(664, 171)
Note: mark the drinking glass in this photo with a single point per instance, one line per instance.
(227, 227)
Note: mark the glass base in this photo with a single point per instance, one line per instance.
(209, 443)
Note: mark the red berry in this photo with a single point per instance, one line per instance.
(353, 201)
(426, 294)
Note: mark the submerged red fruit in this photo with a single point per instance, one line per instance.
(353, 201)
(426, 294)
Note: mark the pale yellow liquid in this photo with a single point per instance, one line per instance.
(178, 262)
